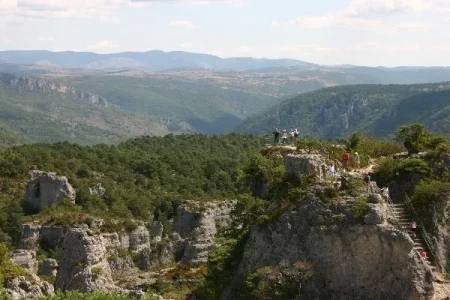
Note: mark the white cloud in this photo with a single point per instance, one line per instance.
(44, 39)
(182, 24)
(102, 46)
(385, 7)
(233, 2)
(7, 7)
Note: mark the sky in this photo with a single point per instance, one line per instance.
(360, 32)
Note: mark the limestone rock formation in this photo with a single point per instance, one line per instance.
(48, 267)
(305, 165)
(84, 266)
(156, 231)
(22, 288)
(33, 235)
(44, 86)
(197, 228)
(26, 259)
(97, 190)
(139, 239)
(46, 189)
(349, 261)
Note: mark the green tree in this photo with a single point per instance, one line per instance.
(354, 141)
(414, 137)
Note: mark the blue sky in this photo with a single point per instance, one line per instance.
(363, 32)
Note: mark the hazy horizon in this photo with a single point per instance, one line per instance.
(357, 32)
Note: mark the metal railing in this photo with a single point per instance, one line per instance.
(426, 237)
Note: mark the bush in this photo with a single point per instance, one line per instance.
(390, 170)
(428, 195)
(75, 295)
(283, 282)
(360, 209)
(8, 270)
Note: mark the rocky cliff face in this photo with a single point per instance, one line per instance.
(197, 228)
(349, 261)
(45, 189)
(84, 265)
(45, 86)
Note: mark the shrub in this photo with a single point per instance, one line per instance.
(414, 137)
(389, 170)
(360, 209)
(282, 282)
(97, 271)
(427, 195)
(8, 270)
(75, 295)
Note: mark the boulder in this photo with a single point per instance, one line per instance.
(83, 265)
(97, 190)
(375, 215)
(45, 189)
(21, 288)
(375, 198)
(48, 267)
(139, 239)
(26, 259)
(305, 165)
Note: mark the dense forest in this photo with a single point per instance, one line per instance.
(143, 177)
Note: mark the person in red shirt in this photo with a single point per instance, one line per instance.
(345, 159)
(423, 254)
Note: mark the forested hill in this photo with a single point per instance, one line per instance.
(141, 176)
(373, 109)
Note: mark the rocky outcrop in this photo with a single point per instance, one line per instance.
(34, 235)
(26, 259)
(197, 227)
(139, 239)
(23, 288)
(156, 230)
(44, 86)
(349, 260)
(305, 165)
(48, 267)
(97, 190)
(84, 266)
(45, 189)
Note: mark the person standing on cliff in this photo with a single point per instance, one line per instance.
(345, 159)
(423, 254)
(296, 134)
(276, 137)
(356, 160)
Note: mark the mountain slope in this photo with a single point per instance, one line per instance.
(374, 109)
(30, 114)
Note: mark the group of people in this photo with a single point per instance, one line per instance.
(348, 160)
(413, 226)
(284, 137)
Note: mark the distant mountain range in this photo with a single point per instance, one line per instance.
(89, 98)
(152, 60)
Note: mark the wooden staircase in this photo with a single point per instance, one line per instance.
(404, 223)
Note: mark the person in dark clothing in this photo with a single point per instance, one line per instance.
(276, 135)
